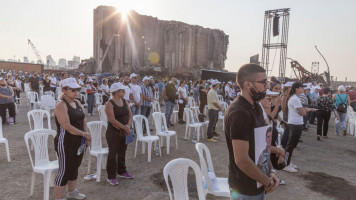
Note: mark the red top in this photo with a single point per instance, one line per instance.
(352, 94)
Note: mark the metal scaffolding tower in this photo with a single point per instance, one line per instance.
(271, 22)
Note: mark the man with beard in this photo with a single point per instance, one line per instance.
(241, 118)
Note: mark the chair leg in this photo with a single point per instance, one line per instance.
(143, 147)
(168, 142)
(159, 149)
(176, 141)
(46, 180)
(33, 178)
(98, 167)
(223, 126)
(198, 133)
(89, 163)
(136, 148)
(7, 151)
(186, 132)
(149, 147)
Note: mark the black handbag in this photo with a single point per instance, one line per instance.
(342, 107)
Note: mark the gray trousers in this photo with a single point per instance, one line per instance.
(213, 119)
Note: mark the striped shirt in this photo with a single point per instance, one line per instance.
(147, 91)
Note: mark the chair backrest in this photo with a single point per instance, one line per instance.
(26, 87)
(189, 117)
(38, 117)
(177, 171)
(102, 113)
(191, 102)
(156, 95)
(39, 139)
(83, 98)
(206, 165)
(50, 93)
(98, 98)
(140, 121)
(160, 122)
(33, 96)
(156, 107)
(95, 129)
(48, 101)
(221, 98)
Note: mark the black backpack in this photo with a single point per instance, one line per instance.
(342, 107)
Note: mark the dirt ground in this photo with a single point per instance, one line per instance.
(326, 168)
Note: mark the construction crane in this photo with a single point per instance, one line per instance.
(35, 51)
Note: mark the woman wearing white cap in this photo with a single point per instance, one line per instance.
(91, 90)
(71, 139)
(341, 99)
(119, 119)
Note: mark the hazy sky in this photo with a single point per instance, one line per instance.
(65, 28)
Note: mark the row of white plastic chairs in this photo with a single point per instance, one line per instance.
(206, 180)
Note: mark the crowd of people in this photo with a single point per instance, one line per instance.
(254, 101)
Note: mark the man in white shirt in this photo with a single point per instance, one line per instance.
(81, 83)
(135, 95)
(126, 82)
(53, 83)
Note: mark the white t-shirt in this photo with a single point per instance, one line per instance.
(127, 93)
(136, 92)
(53, 81)
(183, 91)
(104, 88)
(293, 116)
(227, 90)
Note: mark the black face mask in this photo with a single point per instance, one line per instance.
(257, 96)
(2, 85)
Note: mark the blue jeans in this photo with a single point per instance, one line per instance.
(169, 111)
(234, 195)
(342, 121)
(135, 110)
(91, 102)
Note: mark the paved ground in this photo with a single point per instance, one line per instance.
(327, 168)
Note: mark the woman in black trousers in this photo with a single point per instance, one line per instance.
(119, 119)
(325, 105)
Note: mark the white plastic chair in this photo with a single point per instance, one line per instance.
(96, 147)
(162, 129)
(149, 139)
(41, 164)
(218, 187)
(221, 114)
(221, 98)
(102, 114)
(190, 123)
(156, 97)
(37, 117)
(177, 171)
(50, 93)
(4, 140)
(175, 113)
(48, 102)
(191, 103)
(98, 99)
(156, 107)
(33, 96)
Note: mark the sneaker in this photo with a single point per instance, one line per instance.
(216, 134)
(113, 181)
(75, 195)
(126, 175)
(212, 140)
(89, 114)
(290, 169)
(282, 182)
(293, 165)
(215, 137)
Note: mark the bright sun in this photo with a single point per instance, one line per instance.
(124, 9)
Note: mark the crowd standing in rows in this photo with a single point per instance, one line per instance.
(253, 102)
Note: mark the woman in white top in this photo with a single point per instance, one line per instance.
(105, 91)
(295, 122)
(182, 100)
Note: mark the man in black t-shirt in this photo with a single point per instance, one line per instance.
(170, 96)
(241, 118)
(34, 83)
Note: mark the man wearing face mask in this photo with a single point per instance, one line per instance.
(241, 118)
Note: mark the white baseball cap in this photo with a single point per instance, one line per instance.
(70, 82)
(270, 93)
(214, 82)
(90, 79)
(145, 78)
(229, 82)
(117, 86)
(133, 75)
(341, 88)
(288, 84)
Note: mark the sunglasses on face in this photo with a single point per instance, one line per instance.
(74, 89)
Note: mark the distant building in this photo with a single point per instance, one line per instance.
(25, 60)
(50, 63)
(74, 64)
(76, 58)
(62, 63)
(10, 60)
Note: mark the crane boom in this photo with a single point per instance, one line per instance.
(35, 51)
